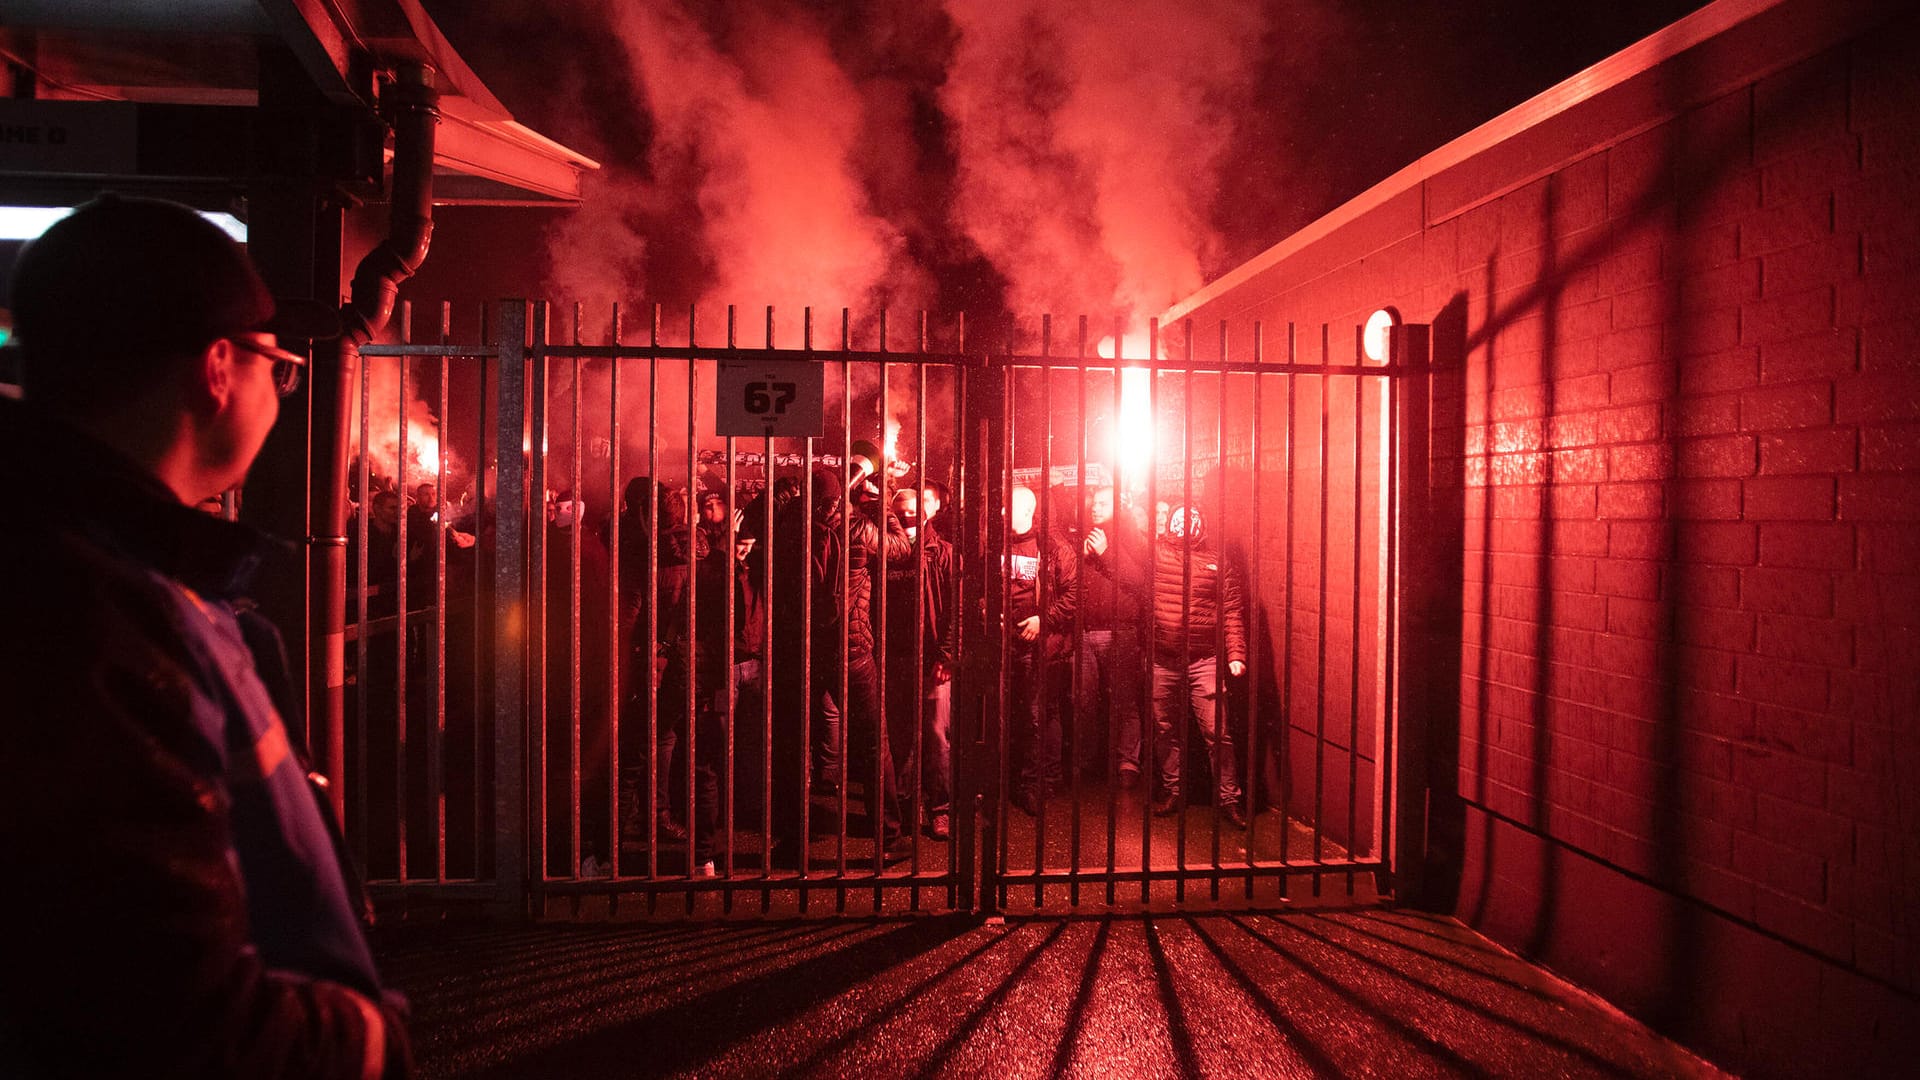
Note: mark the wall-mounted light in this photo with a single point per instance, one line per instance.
(1373, 338)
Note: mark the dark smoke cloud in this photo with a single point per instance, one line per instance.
(974, 154)
(987, 156)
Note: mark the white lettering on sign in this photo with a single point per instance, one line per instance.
(68, 137)
(780, 398)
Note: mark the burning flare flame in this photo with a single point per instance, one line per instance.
(1135, 435)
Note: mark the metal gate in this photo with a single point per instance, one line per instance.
(626, 668)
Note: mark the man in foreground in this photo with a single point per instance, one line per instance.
(177, 901)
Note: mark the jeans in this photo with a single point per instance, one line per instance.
(1110, 665)
(1035, 728)
(1174, 693)
(710, 752)
(862, 721)
(827, 722)
(935, 712)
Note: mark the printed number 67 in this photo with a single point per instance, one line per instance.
(769, 397)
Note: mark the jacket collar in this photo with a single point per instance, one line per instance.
(59, 473)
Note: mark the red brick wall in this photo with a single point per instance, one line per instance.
(1676, 450)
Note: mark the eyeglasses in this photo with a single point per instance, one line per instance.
(286, 365)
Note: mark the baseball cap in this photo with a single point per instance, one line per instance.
(122, 277)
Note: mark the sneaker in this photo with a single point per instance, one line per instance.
(898, 849)
(940, 828)
(1167, 805)
(1235, 815)
(671, 831)
(1129, 779)
(706, 870)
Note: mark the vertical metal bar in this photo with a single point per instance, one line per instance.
(962, 837)
(618, 636)
(437, 747)
(1401, 764)
(537, 584)
(573, 618)
(1353, 693)
(692, 673)
(656, 769)
(1320, 681)
(402, 625)
(365, 630)
(1285, 766)
(766, 676)
(1009, 443)
(1080, 727)
(727, 681)
(845, 579)
(510, 667)
(1118, 483)
(807, 688)
(877, 593)
(1249, 780)
(918, 704)
(1222, 727)
(1186, 616)
(1043, 588)
(1150, 722)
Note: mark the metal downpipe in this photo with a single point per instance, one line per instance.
(413, 105)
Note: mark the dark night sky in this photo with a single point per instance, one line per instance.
(1349, 91)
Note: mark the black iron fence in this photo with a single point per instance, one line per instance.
(970, 637)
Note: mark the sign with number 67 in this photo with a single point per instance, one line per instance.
(782, 398)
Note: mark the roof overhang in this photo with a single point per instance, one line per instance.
(207, 53)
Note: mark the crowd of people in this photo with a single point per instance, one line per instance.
(1087, 606)
(854, 664)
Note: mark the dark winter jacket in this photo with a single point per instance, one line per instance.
(710, 614)
(1025, 572)
(678, 549)
(935, 602)
(1114, 585)
(1215, 597)
(807, 553)
(863, 544)
(179, 904)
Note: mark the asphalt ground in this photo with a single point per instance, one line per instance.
(1359, 991)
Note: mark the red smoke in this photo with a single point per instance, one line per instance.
(1084, 140)
(1088, 139)
(422, 460)
(758, 124)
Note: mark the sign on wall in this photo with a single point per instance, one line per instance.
(68, 137)
(780, 398)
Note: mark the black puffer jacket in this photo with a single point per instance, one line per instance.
(1215, 596)
(940, 639)
(848, 615)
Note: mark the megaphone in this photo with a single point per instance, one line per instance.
(865, 459)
